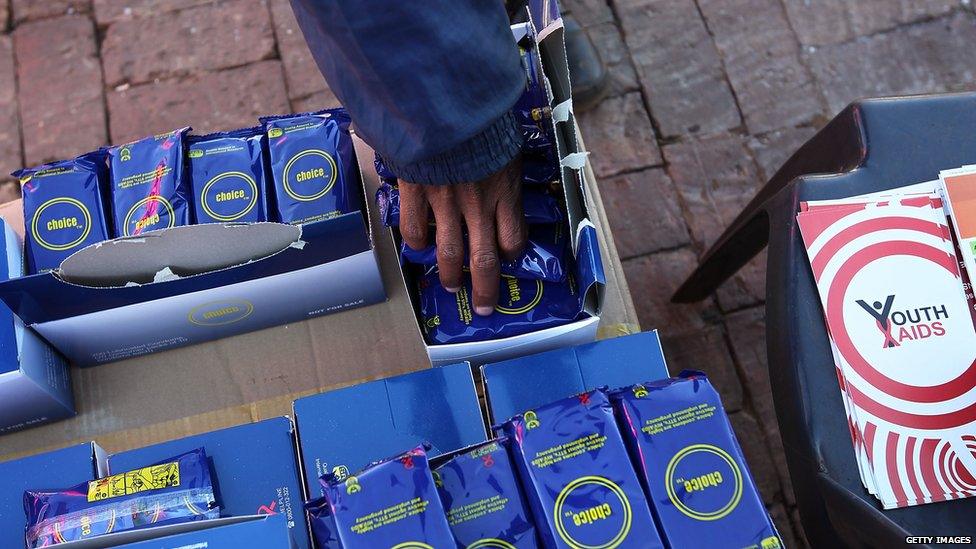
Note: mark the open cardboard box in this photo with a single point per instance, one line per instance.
(588, 270)
(142, 294)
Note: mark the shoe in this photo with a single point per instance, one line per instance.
(587, 72)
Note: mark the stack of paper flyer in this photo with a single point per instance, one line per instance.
(902, 333)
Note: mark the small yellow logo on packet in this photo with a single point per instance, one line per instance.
(352, 485)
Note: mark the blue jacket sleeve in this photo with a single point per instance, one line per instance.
(430, 85)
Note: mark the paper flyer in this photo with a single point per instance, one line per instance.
(902, 332)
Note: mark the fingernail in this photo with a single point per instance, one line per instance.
(484, 311)
(453, 289)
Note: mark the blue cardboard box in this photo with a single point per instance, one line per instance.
(344, 430)
(266, 532)
(521, 384)
(256, 467)
(189, 284)
(35, 386)
(58, 469)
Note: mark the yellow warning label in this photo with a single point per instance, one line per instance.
(140, 480)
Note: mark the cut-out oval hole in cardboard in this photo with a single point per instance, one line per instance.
(184, 251)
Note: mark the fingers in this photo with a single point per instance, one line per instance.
(450, 239)
(479, 215)
(414, 215)
(512, 230)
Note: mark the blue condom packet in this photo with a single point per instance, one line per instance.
(540, 169)
(544, 257)
(388, 203)
(64, 209)
(227, 176)
(523, 306)
(149, 188)
(323, 527)
(391, 503)
(385, 173)
(578, 477)
(532, 107)
(177, 490)
(312, 165)
(691, 464)
(482, 498)
(538, 205)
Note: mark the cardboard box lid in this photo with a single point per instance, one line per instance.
(256, 466)
(264, 531)
(57, 469)
(122, 271)
(520, 384)
(254, 376)
(11, 265)
(344, 430)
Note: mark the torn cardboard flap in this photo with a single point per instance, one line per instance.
(175, 253)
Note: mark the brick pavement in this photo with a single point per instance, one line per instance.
(708, 98)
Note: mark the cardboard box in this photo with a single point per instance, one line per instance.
(521, 384)
(345, 430)
(256, 467)
(264, 531)
(184, 285)
(588, 272)
(58, 469)
(34, 384)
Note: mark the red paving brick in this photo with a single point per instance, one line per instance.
(747, 332)
(589, 12)
(707, 351)
(707, 99)
(783, 522)
(653, 279)
(620, 129)
(35, 9)
(773, 149)
(715, 177)
(205, 38)
(643, 211)
(10, 156)
(929, 57)
(679, 66)
(834, 21)
(210, 102)
(324, 99)
(301, 73)
(746, 288)
(774, 89)
(109, 11)
(62, 107)
(613, 51)
(753, 442)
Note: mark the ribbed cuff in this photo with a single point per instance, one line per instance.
(475, 159)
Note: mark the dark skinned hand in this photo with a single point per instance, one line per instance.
(492, 211)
